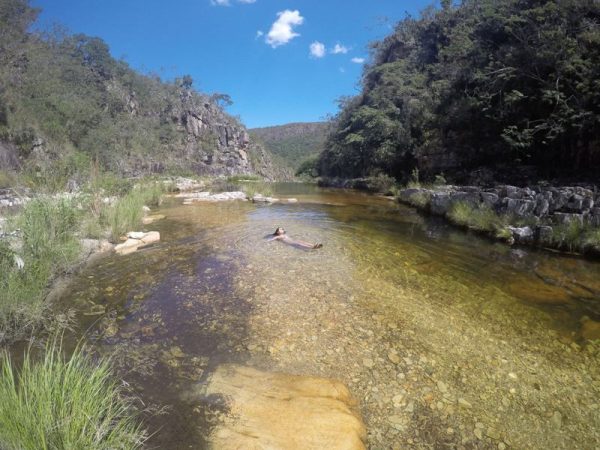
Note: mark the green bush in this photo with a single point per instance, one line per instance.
(381, 183)
(59, 403)
(309, 168)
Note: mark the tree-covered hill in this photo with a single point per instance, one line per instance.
(294, 143)
(497, 85)
(65, 102)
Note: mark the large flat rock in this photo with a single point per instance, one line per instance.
(282, 411)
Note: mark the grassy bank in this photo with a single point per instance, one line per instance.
(571, 237)
(47, 243)
(59, 403)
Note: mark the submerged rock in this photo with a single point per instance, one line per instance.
(152, 218)
(275, 410)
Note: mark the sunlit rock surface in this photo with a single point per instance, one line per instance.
(275, 410)
(135, 240)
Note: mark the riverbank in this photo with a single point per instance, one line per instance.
(561, 218)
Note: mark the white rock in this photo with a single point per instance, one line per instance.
(129, 246)
(136, 240)
(150, 237)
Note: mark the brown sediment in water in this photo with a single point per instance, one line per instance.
(438, 335)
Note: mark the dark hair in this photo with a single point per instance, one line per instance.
(277, 229)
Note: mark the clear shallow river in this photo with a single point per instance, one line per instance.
(445, 339)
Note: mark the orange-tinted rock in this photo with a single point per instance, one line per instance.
(275, 410)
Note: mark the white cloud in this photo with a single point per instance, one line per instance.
(220, 2)
(342, 70)
(339, 49)
(282, 30)
(247, 1)
(317, 49)
(358, 60)
(259, 34)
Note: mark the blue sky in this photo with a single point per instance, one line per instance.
(277, 59)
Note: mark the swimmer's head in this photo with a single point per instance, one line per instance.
(279, 231)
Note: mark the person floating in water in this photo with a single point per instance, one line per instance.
(280, 235)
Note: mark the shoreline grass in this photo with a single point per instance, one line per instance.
(64, 403)
(48, 245)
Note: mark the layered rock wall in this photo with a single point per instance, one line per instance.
(536, 212)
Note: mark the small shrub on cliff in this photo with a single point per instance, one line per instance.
(59, 403)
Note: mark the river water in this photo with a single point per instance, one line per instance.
(445, 339)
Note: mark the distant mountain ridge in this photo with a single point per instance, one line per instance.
(293, 143)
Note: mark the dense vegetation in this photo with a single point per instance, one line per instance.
(46, 243)
(59, 403)
(66, 102)
(294, 143)
(484, 84)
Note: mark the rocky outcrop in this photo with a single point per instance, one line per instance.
(217, 142)
(275, 410)
(543, 209)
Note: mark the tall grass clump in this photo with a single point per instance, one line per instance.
(127, 212)
(48, 228)
(592, 239)
(420, 199)
(414, 182)
(259, 188)
(49, 246)
(479, 218)
(64, 403)
(575, 236)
